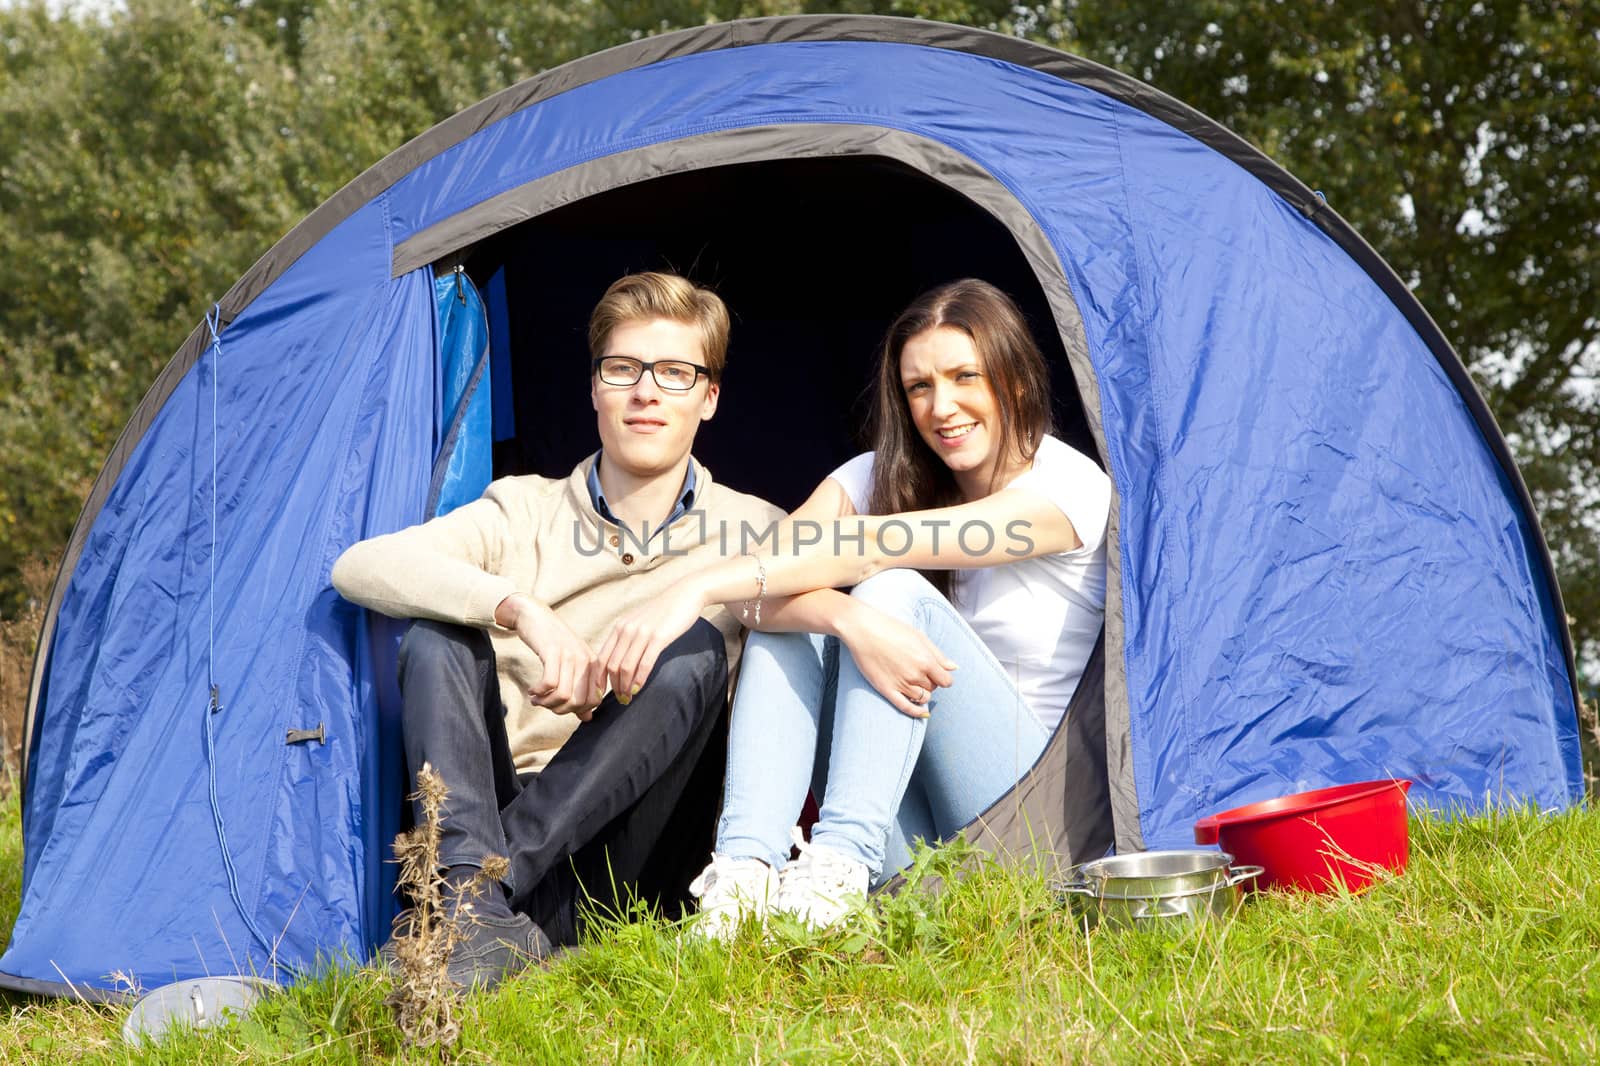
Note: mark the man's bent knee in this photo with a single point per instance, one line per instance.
(700, 654)
(428, 642)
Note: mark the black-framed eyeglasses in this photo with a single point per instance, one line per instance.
(674, 375)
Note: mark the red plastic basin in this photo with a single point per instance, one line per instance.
(1316, 840)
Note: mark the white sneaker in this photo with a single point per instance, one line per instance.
(731, 891)
(821, 886)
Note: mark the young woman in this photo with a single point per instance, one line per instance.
(912, 703)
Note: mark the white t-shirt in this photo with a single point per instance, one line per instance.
(1040, 616)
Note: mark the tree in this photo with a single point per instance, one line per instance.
(1458, 137)
(138, 170)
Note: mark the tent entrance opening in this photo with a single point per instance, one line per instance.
(814, 258)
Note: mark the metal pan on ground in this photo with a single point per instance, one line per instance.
(1157, 886)
(195, 1004)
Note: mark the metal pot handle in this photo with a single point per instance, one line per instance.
(1075, 888)
(1240, 874)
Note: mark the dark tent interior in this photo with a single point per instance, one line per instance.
(814, 257)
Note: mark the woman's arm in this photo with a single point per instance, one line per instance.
(811, 610)
(1005, 527)
(670, 614)
(811, 553)
(823, 545)
(894, 657)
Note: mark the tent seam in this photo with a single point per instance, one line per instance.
(214, 707)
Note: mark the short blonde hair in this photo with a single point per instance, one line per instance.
(654, 295)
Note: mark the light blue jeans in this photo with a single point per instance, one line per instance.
(804, 716)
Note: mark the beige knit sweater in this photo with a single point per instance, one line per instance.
(542, 537)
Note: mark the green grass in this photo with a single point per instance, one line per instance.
(1488, 948)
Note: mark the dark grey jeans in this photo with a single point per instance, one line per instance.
(625, 810)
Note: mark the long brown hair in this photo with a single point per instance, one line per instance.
(906, 474)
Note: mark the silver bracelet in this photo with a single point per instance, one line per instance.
(761, 591)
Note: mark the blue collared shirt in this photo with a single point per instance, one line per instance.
(597, 497)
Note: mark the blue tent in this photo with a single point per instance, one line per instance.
(1324, 566)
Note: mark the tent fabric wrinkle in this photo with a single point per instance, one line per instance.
(1322, 567)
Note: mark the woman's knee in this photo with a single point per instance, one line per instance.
(895, 592)
(780, 645)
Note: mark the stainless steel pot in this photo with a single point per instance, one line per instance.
(1151, 886)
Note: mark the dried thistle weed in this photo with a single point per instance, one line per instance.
(424, 999)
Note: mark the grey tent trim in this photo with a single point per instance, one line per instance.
(1058, 811)
(65, 990)
(1074, 763)
(454, 130)
(753, 144)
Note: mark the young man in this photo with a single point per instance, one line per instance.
(513, 593)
